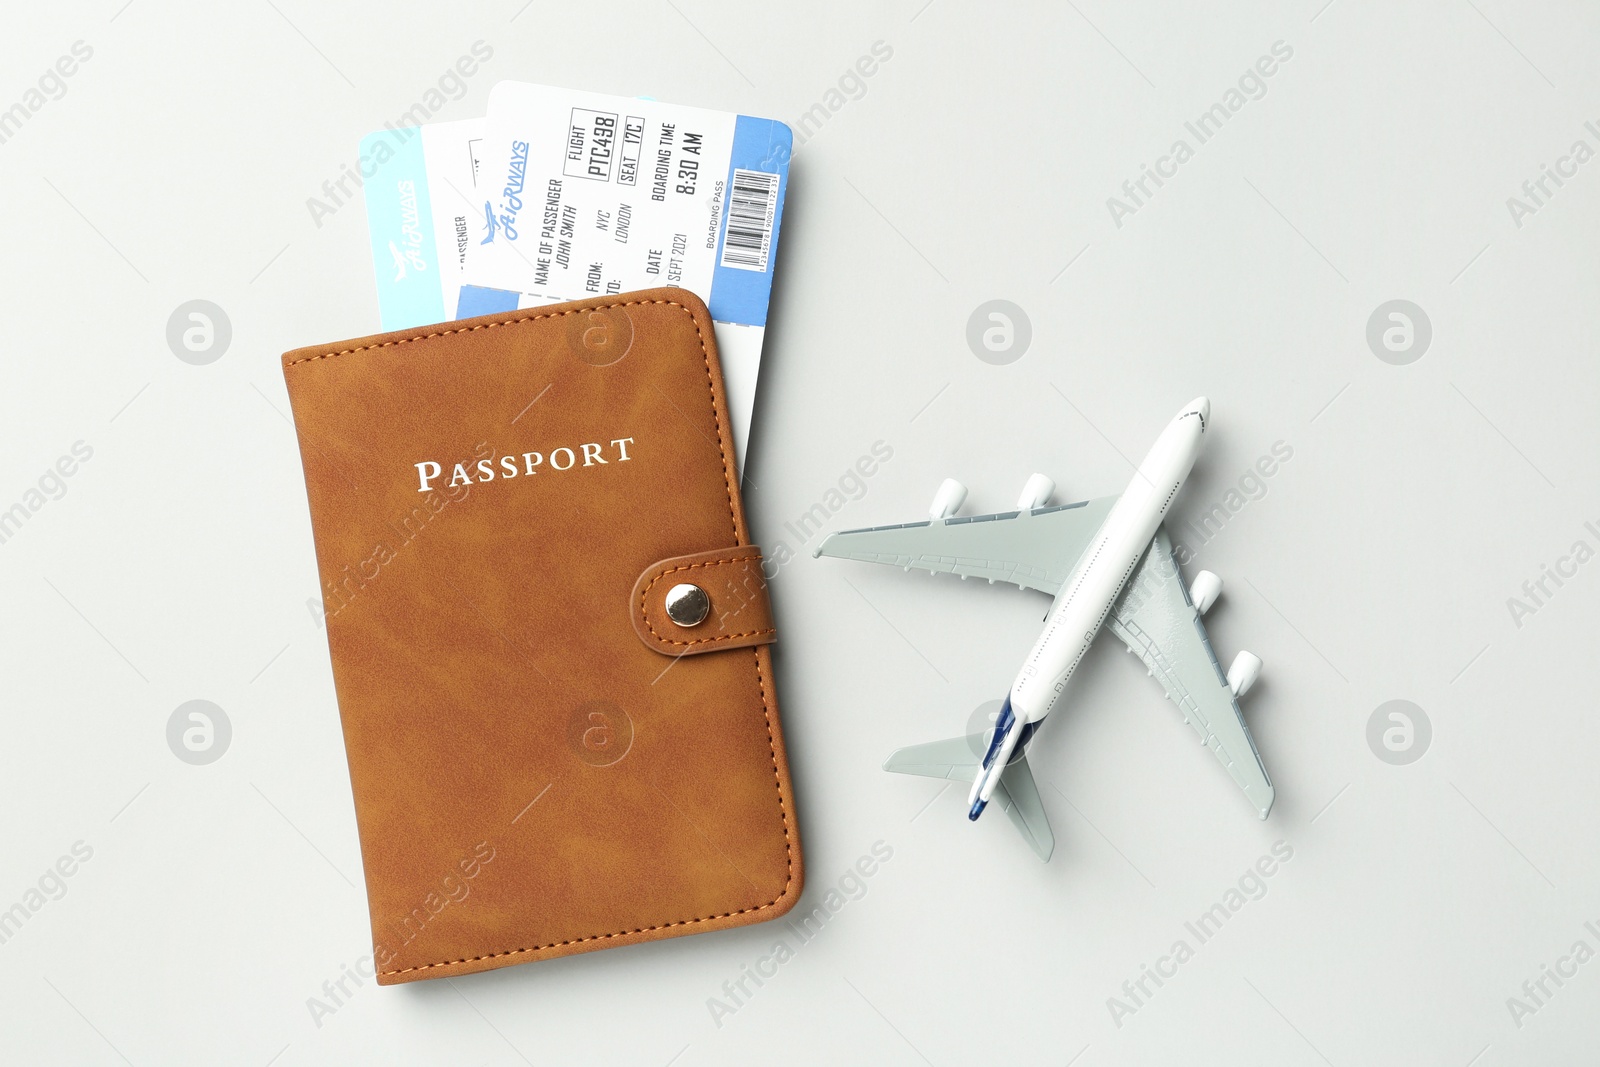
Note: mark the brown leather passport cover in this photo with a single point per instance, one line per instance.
(543, 761)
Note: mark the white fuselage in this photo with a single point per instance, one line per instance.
(1086, 599)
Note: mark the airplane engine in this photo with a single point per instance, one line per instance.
(948, 500)
(1243, 673)
(1036, 493)
(1204, 590)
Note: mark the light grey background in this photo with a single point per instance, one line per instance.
(975, 165)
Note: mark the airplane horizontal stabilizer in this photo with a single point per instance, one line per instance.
(1020, 797)
(957, 759)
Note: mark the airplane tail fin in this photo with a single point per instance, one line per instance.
(958, 758)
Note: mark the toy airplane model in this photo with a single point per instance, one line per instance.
(1107, 562)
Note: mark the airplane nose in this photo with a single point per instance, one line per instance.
(1203, 406)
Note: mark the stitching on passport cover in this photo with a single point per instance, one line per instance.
(496, 325)
(761, 681)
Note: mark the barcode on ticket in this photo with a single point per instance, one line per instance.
(752, 206)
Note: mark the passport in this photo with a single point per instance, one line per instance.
(549, 632)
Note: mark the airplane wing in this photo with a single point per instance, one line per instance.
(1158, 623)
(1033, 549)
(957, 759)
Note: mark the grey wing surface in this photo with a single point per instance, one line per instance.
(1020, 798)
(1034, 549)
(1157, 621)
(956, 758)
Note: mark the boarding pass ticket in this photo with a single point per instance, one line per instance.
(565, 195)
(421, 200)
